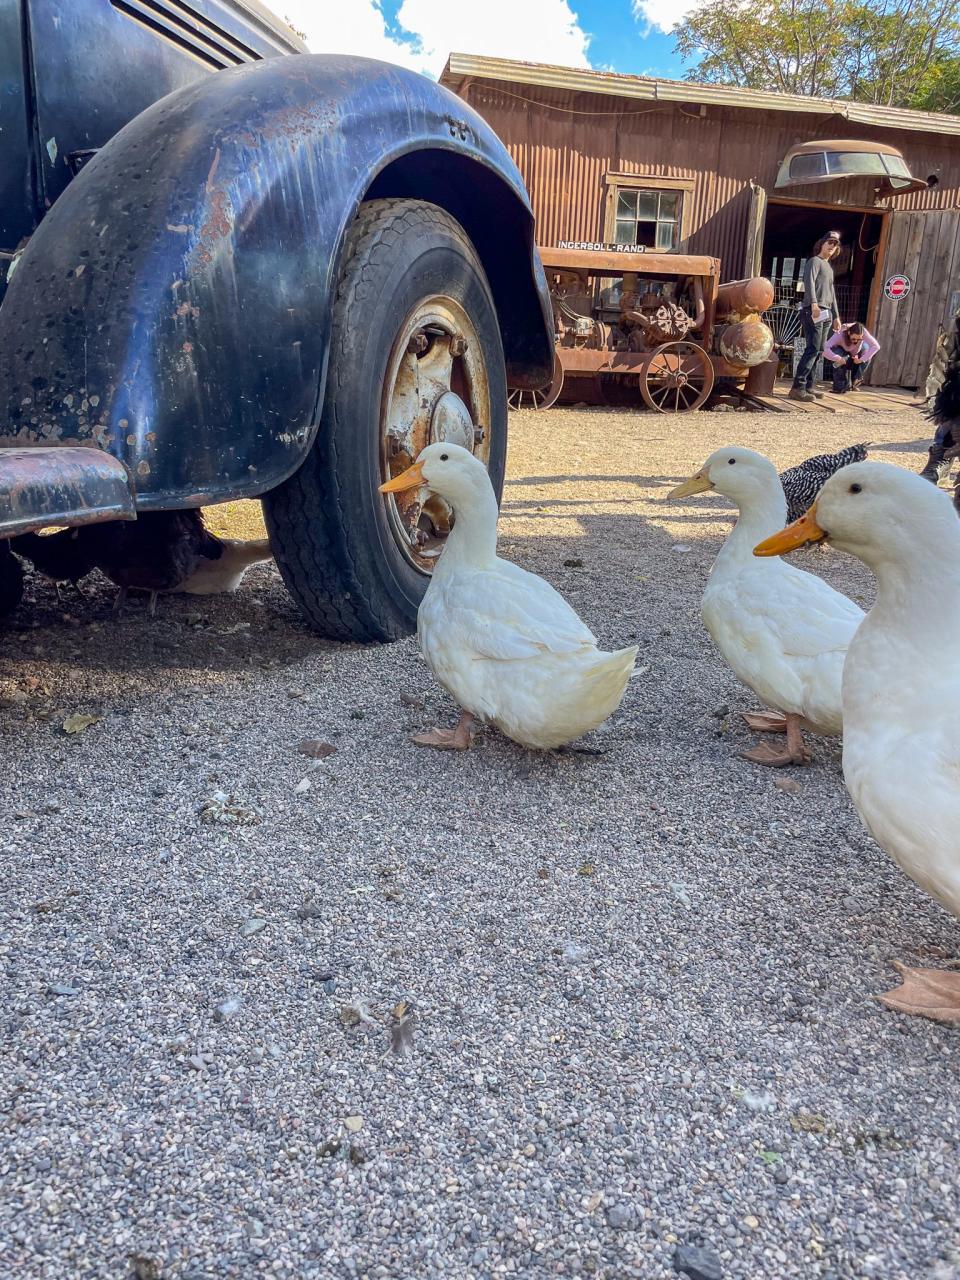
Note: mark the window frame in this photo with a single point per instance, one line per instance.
(616, 182)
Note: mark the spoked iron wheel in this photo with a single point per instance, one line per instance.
(676, 378)
(544, 398)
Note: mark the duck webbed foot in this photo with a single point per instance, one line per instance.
(458, 739)
(926, 993)
(794, 751)
(765, 721)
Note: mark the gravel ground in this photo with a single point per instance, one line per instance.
(393, 1013)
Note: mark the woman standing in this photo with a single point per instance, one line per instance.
(818, 311)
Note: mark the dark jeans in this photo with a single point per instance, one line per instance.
(816, 335)
(847, 375)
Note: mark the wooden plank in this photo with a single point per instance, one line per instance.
(776, 403)
(878, 399)
(930, 288)
(873, 303)
(835, 404)
(885, 331)
(902, 334)
(941, 285)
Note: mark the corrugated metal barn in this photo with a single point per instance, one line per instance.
(752, 178)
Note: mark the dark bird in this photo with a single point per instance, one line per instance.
(803, 482)
(165, 551)
(61, 557)
(942, 407)
(11, 580)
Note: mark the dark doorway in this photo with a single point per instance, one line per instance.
(789, 235)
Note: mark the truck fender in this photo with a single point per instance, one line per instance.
(173, 308)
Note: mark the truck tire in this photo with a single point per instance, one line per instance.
(415, 356)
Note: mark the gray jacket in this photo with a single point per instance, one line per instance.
(818, 285)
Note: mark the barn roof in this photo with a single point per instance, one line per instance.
(467, 66)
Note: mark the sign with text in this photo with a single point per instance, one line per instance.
(897, 287)
(601, 248)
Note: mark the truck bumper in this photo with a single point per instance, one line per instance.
(65, 486)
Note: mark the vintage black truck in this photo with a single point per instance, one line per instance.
(280, 281)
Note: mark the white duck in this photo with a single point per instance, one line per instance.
(500, 640)
(782, 631)
(901, 684)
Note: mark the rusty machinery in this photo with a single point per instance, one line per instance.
(657, 323)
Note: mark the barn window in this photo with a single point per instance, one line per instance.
(648, 217)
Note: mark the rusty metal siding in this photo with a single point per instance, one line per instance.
(565, 143)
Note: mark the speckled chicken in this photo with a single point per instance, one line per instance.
(61, 557)
(164, 551)
(802, 483)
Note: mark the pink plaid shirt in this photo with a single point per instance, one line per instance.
(839, 347)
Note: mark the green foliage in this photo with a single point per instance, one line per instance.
(889, 52)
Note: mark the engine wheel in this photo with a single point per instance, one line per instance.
(545, 398)
(415, 357)
(676, 377)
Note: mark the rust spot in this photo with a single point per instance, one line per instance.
(213, 169)
(143, 468)
(188, 347)
(187, 309)
(216, 227)
(131, 440)
(151, 437)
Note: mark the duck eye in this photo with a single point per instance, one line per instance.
(444, 457)
(856, 488)
(731, 461)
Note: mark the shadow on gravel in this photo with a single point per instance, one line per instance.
(258, 627)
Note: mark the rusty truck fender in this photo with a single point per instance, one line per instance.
(174, 306)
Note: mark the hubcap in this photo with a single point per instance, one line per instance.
(451, 421)
(435, 390)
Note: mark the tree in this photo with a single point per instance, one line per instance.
(888, 52)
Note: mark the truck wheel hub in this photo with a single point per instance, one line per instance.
(451, 422)
(436, 390)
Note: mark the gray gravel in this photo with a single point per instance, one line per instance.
(389, 1013)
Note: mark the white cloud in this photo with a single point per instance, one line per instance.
(663, 15)
(427, 31)
(347, 26)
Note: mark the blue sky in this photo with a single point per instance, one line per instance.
(631, 36)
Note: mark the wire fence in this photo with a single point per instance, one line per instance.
(783, 317)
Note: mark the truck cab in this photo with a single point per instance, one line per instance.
(191, 213)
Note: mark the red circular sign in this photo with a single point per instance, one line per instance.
(897, 287)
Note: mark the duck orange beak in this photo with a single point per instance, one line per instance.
(794, 535)
(699, 482)
(412, 478)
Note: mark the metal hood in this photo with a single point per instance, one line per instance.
(829, 160)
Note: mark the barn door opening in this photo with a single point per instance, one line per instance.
(790, 231)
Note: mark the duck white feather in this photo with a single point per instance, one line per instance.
(901, 684)
(784, 632)
(504, 644)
